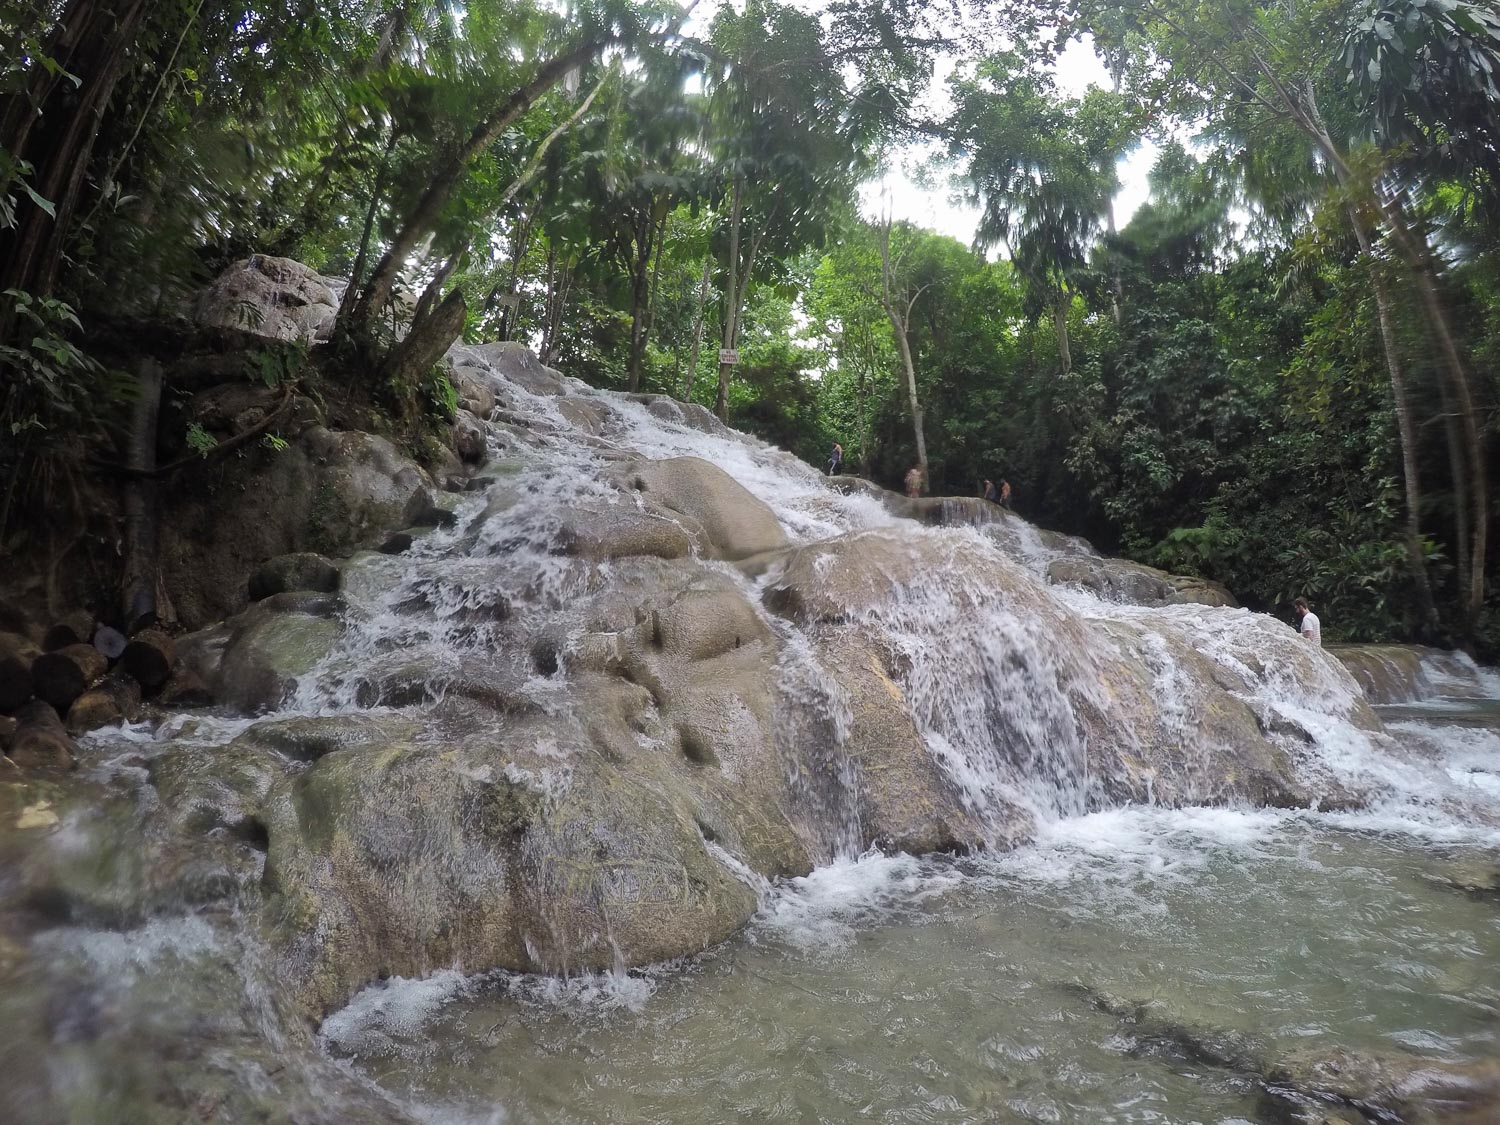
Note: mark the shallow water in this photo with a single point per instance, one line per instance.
(898, 989)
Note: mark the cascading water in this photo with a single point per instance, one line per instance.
(522, 644)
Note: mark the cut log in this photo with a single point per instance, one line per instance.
(112, 700)
(184, 689)
(109, 641)
(74, 629)
(149, 658)
(15, 671)
(40, 740)
(62, 676)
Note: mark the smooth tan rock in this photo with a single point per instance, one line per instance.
(731, 522)
(621, 531)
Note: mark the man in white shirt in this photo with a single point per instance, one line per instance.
(1311, 628)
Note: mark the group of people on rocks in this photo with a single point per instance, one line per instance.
(914, 479)
(1309, 626)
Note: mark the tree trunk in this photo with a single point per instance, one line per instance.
(1419, 257)
(62, 676)
(76, 628)
(1060, 320)
(1472, 463)
(1459, 474)
(114, 699)
(428, 209)
(15, 673)
(1116, 285)
(56, 136)
(698, 321)
(640, 283)
(900, 319)
(731, 293)
(149, 658)
(862, 396)
(139, 580)
(559, 282)
(911, 394)
(1406, 432)
(655, 287)
(547, 302)
(356, 275)
(427, 341)
(520, 241)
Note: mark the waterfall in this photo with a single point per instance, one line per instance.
(1029, 696)
(652, 681)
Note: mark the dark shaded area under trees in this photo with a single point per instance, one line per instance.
(1279, 373)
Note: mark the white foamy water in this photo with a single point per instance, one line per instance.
(996, 684)
(926, 954)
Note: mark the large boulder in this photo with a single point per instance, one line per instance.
(1017, 694)
(618, 830)
(328, 492)
(725, 519)
(254, 661)
(275, 297)
(527, 850)
(301, 570)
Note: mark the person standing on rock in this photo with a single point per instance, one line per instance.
(836, 460)
(1311, 627)
(1004, 493)
(914, 481)
(990, 493)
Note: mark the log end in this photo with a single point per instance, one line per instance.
(40, 741)
(149, 658)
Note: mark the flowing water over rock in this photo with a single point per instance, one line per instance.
(651, 688)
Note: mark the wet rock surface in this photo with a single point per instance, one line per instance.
(328, 492)
(575, 723)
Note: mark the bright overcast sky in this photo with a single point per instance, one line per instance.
(933, 204)
(929, 200)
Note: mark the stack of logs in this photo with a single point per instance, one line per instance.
(81, 676)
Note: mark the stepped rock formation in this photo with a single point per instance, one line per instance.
(573, 710)
(653, 660)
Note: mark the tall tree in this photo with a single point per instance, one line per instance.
(1043, 183)
(1283, 61)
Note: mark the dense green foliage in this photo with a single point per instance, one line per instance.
(1280, 372)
